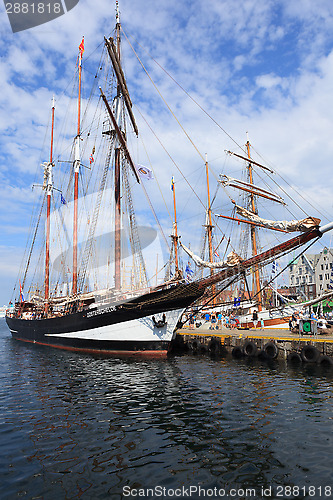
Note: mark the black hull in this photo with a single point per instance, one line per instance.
(52, 331)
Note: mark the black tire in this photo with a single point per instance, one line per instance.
(194, 346)
(214, 347)
(294, 358)
(237, 352)
(203, 349)
(325, 361)
(271, 350)
(310, 354)
(250, 349)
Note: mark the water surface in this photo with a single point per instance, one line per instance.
(76, 426)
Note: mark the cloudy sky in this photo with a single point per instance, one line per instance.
(259, 66)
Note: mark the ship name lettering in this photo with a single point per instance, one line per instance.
(101, 311)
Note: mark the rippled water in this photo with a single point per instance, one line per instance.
(75, 426)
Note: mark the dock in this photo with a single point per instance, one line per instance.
(255, 342)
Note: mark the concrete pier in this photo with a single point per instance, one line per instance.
(266, 343)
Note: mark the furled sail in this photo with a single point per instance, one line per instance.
(293, 225)
(232, 260)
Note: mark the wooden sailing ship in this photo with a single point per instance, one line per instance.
(75, 311)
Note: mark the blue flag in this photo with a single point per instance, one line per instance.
(62, 199)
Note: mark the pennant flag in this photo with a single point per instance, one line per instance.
(172, 183)
(62, 199)
(91, 159)
(275, 266)
(81, 47)
(145, 172)
(216, 254)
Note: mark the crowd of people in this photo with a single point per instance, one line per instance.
(323, 320)
(217, 320)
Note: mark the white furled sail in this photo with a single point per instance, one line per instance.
(292, 225)
(232, 260)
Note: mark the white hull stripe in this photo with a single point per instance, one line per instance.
(142, 329)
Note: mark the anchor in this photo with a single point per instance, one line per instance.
(161, 322)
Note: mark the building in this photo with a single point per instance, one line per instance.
(324, 271)
(310, 274)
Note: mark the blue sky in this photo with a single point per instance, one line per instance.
(258, 66)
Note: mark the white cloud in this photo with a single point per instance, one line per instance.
(259, 66)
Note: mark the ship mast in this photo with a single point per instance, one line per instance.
(77, 162)
(48, 187)
(256, 278)
(117, 179)
(209, 227)
(175, 229)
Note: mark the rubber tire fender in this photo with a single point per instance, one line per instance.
(250, 349)
(271, 350)
(310, 354)
(237, 352)
(325, 361)
(214, 346)
(194, 346)
(294, 358)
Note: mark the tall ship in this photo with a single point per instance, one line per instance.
(84, 285)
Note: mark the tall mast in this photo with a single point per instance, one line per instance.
(256, 278)
(175, 230)
(77, 162)
(48, 188)
(117, 174)
(210, 229)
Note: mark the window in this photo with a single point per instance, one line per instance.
(300, 270)
(322, 267)
(320, 277)
(310, 279)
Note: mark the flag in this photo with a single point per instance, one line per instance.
(62, 199)
(275, 266)
(145, 172)
(172, 183)
(81, 47)
(216, 254)
(188, 272)
(21, 293)
(91, 159)
(237, 301)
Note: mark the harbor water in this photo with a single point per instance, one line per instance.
(74, 426)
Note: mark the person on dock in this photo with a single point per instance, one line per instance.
(262, 324)
(255, 318)
(227, 324)
(192, 321)
(212, 322)
(219, 321)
